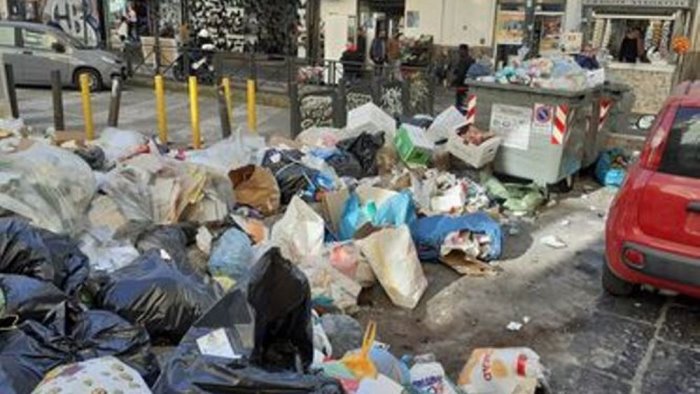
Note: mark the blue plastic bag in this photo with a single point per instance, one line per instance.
(605, 173)
(396, 211)
(232, 255)
(429, 233)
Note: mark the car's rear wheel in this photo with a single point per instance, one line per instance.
(94, 79)
(614, 285)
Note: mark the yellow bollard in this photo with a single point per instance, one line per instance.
(160, 110)
(252, 113)
(229, 99)
(194, 113)
(87, 107)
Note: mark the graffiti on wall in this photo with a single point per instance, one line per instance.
(79, 18)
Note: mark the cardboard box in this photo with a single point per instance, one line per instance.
(475, 156)
(413, 145)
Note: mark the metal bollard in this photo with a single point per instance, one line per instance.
(11, 90)
(59, 122)
(87, 107)
(252, 112)
(115, 102)
(161, 114)
(226, 81)
(223, 110)
(194, 113)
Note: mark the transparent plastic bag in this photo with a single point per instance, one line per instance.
(155, 189)
(49, 186)
(119, 145)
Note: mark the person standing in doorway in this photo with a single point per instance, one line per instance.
(378, 50)
(632, 47)
(362, 43)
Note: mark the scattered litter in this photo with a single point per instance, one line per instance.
(553, 242)
(507, 371)
(514, 326)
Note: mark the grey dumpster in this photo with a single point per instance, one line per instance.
(543, 130)
(609, 114)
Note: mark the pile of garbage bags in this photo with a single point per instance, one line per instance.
(246, 260)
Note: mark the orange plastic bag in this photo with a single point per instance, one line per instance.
(359, 363)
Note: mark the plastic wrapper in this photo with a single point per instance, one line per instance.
(232, 255)
(154, 189)
(322, 137)
(300, 232)
(119, 145)
(40, 184)
(100, 375)
(365, 147)
(105, 254)
(154, 293)
(25, 250)
(392, 256)
(256, 187)
(507, 371)
(28, 298)
(281, 297)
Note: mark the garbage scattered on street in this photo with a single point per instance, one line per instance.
(248, 260)
(553, 242)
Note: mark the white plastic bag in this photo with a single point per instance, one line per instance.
(393, 258)
(231, 153)
(329, 283)
(119, 144)
(299, 234)
(50, 186)
(501, 371)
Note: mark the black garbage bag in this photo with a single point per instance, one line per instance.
(23, 251)
(89, 334)
(172, 239)
(345, 164)
(40, 254)
(188, 371)
(69, 333)
(281, 297)
(365, 147)
(72, 266)
(28, 298)
(292, 176)
(26, 355)
(154, 293)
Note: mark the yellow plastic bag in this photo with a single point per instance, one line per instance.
(359, 363)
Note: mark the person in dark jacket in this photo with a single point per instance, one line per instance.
(378, 51)
(459, 73)
(463, 63)
(352, 61)
(632, 47)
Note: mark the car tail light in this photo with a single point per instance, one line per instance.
(633, 257)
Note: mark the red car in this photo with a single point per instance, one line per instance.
(653, 228)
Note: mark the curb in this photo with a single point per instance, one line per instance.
(267, 98)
